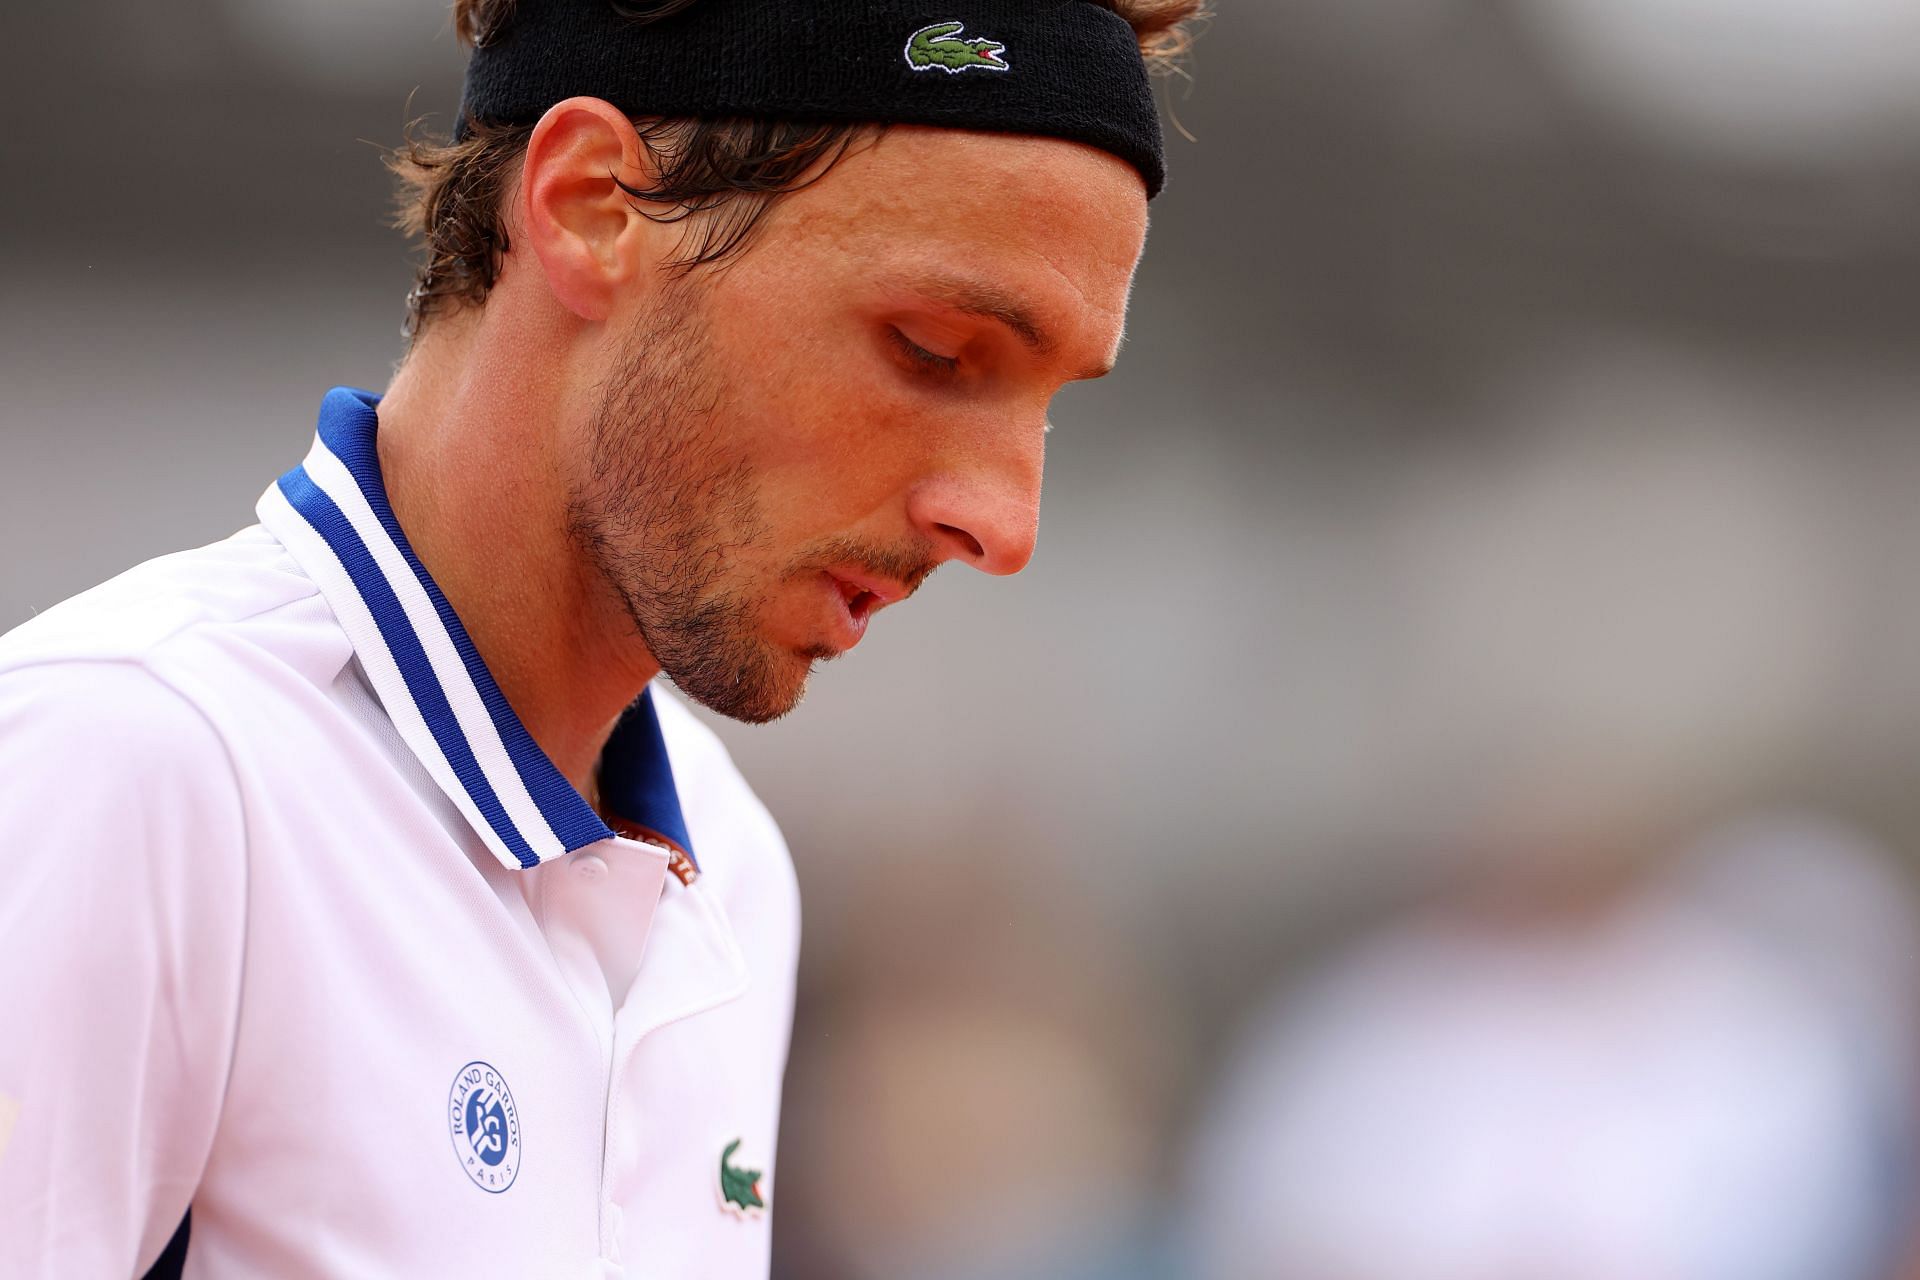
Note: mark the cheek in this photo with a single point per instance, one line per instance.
(829, 475)
(840, 432)
(830, 435)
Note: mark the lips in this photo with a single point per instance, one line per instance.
(860, 602)
(876, 592)
(860, 595)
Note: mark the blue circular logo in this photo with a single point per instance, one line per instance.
(486, 1127)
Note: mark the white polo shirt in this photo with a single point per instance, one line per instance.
(299, 929)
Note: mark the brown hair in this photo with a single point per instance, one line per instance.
(452, 194)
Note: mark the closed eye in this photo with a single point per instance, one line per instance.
(931, 361)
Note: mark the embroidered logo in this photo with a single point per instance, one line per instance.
(939, 46)
(740, 1188)
(485, 1127)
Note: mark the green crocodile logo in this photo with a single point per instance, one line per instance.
(739, 1188)
(939, 46)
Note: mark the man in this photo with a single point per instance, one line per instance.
(366, 897)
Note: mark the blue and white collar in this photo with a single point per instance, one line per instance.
(331, 513)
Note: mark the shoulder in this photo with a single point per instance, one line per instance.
(120, 799)
(218, 625)
(117, 718)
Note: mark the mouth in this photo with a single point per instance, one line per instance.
(860, 596)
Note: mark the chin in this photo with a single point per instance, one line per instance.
(756, 689)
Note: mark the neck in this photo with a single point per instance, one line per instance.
(472, 434)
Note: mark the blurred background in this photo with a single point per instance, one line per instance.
(1442, 804)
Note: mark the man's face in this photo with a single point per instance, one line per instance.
(788, 444)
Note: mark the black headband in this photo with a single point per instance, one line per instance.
(1061, 68)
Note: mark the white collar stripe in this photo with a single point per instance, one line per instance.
(416, 652)
(395, 646)
(348, 428)
(462, 695)
(317, 557)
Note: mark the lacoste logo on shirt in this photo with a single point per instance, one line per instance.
(939, 46)
(740, 1188)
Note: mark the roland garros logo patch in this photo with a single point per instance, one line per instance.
(485, 1127)
(940, 48)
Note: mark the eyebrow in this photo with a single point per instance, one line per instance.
(990, 302)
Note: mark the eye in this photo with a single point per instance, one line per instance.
(919, 355)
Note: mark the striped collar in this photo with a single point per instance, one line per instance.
(332, 515)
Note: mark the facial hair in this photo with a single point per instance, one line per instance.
(665, 512)
(668, 512)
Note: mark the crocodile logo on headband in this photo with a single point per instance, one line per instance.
(939, 47)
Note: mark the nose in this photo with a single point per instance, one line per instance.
(986, 513)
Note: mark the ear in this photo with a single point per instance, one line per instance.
(584, 229)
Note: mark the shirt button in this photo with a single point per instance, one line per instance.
(590, 866)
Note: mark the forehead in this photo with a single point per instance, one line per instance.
(1054, 224)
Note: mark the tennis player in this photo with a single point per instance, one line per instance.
(366, 895)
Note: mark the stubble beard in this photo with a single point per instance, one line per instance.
(665, 514)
